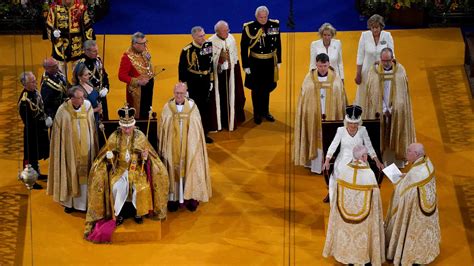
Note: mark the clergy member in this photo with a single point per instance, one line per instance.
(355, 229)
(412, 223)
(388, 95)
(73, 148)
(322, 94)
(182, 148)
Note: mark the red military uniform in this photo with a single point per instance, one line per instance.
(132, 66)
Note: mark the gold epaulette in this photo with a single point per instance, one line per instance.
(24, 96)
(247, 23)
(275, 20)
(82, 60)
(187, 47)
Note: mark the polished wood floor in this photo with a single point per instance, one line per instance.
(264, 212)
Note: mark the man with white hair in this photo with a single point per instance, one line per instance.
(36, 124)
(229, 93)
(412, 223)
(355, 229)
(196, 70)
(260, 49)
(183, 150)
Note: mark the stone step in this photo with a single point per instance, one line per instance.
(130, 231)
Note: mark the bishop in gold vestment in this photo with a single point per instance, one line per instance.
(322, 93)
(412, 223)
(355, 229)
(183, 150)
(73, 148)
(127, 169)
(388, 95)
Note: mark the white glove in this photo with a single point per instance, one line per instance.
(211, 87)
(247, 70)
(56, 33)
(279, 65)
(109, 155)
(103, 92)
(48, 121)
(225, 65)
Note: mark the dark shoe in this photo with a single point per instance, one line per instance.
(138, 219)
(42, 177)
(68, 210)
(119, 220)
(37, 186)
(326, 199)
(191, 205)
(257, 120)
(269, 118)
(173, 206)
(209, 140)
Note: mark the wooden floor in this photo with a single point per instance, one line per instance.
(257, 216)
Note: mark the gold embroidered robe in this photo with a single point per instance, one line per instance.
(308, 126)
(68, 168)
(402, 126)
(355, 229)
(152, 195)
(412, 223)
(183, 150)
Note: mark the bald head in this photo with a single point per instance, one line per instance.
(415, 151)
(50, 65)
(180, 91)
(360, 153)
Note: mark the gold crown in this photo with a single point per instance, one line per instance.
(127, 116)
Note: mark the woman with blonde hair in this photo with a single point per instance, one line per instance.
(330, 46)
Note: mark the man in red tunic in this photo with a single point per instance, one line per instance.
(136, 71)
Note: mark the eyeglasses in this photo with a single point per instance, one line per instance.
(142, 43)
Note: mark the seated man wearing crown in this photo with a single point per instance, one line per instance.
(127, 172)
(355, 229)
(412, 223)
(182, 147)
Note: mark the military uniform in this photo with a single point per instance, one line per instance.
(35, 132)
(133, 65)
(53, 92)
(260, 49)
(196, 69)
(75, 26)
(99, 80)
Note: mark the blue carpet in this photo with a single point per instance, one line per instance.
(178, 17)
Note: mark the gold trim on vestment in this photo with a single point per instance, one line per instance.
(360, 216)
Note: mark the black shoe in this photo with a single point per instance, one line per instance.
(191, 205)
(173, 206)
(326, 199)
(138, 219)
(209, 140)
(37, 186)
(257, 120)
(42, 177)
(68, 210)
(119, 220)
(269, 118)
